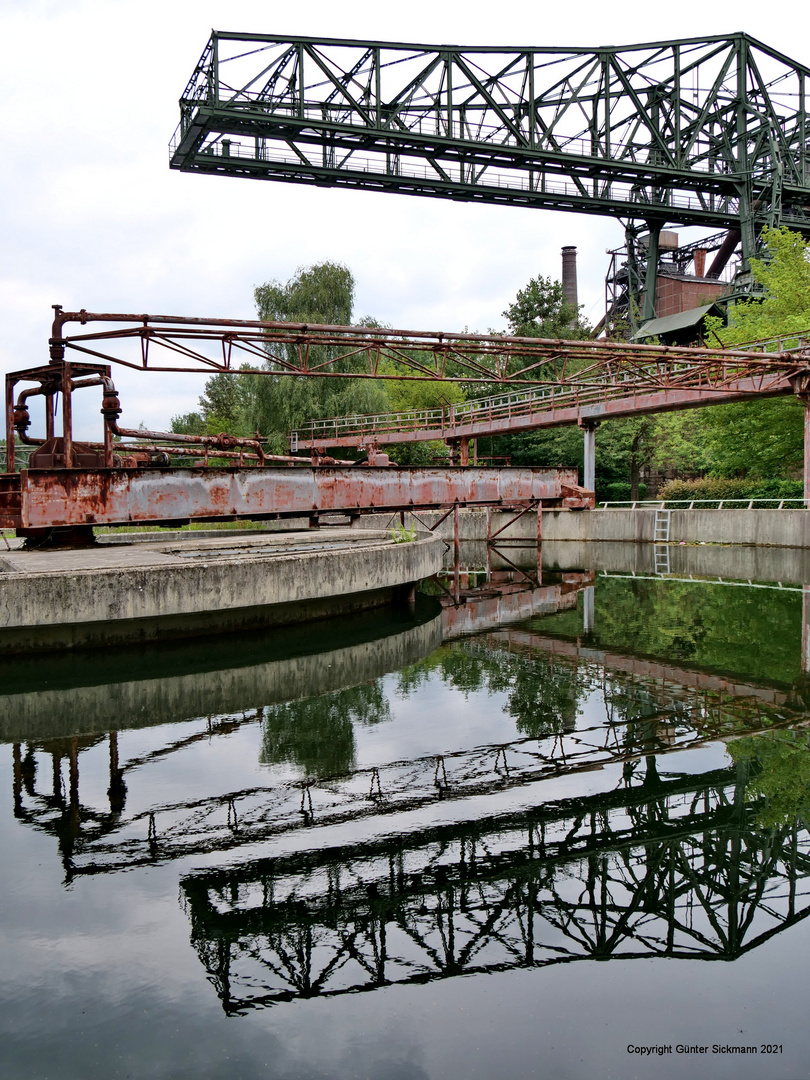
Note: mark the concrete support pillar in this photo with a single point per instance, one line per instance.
(539, 544)
(456, 555)
(801, 388)
(589, 467)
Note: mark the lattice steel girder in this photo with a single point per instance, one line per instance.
(684, 878)
(708, 131)
(606, 368)
(533, 413)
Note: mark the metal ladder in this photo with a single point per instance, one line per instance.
(661, 541)
(661, 535)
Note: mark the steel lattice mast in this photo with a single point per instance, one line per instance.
(698, 131)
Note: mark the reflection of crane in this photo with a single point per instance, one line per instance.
(709, 132)
(670, 867)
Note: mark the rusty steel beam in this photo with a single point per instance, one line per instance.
(203, 345)
(492, 605)
(34, 499)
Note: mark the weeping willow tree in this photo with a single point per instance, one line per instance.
(275, 403)
(320, 294)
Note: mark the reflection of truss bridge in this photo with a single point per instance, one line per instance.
(674, 868)
(645, 717)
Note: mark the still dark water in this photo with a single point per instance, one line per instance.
(512, 832)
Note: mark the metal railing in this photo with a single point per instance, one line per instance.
(775, 503)
(638, 378)
(392, 164)
(693, 579)
(21, 456)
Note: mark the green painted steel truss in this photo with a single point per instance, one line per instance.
(707, 131)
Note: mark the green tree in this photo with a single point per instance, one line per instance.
(622, 446)
(763, 438)
(541, 310)
(320, 294)
(190, 423)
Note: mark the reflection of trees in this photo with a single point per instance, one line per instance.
(318, 733)
(680, 868)
(650, 709)
(779, 765)
(725, 629)
(541, 696)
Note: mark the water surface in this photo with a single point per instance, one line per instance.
(516, 830)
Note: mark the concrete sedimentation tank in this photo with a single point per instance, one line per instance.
(117, 593)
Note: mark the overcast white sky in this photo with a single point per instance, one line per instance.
(94, 218)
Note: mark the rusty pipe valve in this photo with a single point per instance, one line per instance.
(111, 407)
(21, 420)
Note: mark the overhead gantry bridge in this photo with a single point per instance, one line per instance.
(694, 131)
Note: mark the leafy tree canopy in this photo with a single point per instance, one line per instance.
(323, 293)
(541, 310)
(760, 438)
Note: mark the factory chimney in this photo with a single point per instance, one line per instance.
(569, 277)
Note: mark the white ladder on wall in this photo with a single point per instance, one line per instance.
(662, 518)
(661, 541)
(661, 552)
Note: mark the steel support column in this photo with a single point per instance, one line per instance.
(589, 466)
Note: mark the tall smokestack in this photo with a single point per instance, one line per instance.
(569, 276)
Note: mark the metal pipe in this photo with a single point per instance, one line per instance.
(727, 249)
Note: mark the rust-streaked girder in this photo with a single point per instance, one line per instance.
(60, 498)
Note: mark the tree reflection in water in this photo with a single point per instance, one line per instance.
(659, 864)
(317, 734)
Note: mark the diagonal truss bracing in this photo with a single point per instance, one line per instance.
(548, 382)
(702, 131)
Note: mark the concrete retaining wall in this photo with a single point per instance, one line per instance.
(96, 708)
(769, 528)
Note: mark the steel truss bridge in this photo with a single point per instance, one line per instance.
(556, 382)
(72, 485)
(698, 131)
(582, 383)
